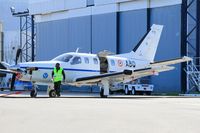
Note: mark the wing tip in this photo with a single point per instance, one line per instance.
(186, 58)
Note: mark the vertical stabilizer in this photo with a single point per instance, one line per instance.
(146, 48)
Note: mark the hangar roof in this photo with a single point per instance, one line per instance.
(48, 10)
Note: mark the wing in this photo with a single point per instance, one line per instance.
(171, 62)
(98, 78)
(14, 73)
(123, 76)
(8, 71)
(160, 66)
(153, 69)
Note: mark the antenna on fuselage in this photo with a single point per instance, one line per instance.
(77, 50)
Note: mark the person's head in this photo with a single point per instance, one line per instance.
(57, 65)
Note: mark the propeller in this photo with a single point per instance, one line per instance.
(18, 73)
(12, 84)
(19, 51)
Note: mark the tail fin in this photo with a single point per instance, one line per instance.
(146, 48)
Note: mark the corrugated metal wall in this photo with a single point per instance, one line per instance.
(98, 32)
(133, 26)
(104, 32)
(57, 37)
(169, 46)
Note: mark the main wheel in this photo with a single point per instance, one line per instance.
(133, 91)
(126, 90)
(52, 93)
(33, 93)
(102, 93)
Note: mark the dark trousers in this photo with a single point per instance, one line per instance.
(57, 87)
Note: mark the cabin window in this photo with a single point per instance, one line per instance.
(76, 60)
(95, 60)
(86, 60)
(112, 62)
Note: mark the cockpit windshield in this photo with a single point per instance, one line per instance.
(64, 58)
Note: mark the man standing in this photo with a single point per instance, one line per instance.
(58, 75)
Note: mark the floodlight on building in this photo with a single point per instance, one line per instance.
(19, 14)
(12, 9)
(27, 34)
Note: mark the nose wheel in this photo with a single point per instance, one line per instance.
(52, 93)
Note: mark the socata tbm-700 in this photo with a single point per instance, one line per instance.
(100, 69)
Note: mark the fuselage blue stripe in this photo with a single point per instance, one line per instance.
(68, 69)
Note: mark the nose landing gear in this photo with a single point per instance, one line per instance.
(33, 92)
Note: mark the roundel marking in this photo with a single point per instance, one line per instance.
(120, 63)
(45, 75)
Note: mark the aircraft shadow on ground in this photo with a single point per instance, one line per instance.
(94, 97)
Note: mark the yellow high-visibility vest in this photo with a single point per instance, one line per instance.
(58, 75)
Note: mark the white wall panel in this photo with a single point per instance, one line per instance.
(73, 4)
(63, 9)
(133, 5)
(64, 15)
(50, 6)
(160, 3)
(109, 8)
(104, 2)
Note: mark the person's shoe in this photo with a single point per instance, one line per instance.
(58, 95)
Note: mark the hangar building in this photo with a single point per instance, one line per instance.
(114, 25)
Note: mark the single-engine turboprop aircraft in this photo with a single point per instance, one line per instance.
(102, 69)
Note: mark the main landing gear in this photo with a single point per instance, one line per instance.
(104, 89)
(52, 92)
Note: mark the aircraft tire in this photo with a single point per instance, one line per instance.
(126, 91)
(52, 93)
(133, 91)
(102, 93)
(33, 93)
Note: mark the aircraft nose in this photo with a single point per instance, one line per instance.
(15, 66)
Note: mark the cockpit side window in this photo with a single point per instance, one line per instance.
(64, 58)
(95, 60)
(67, 58)
(76, 60)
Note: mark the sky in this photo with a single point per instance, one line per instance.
(11, 26)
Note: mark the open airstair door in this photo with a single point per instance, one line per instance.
(103, 65)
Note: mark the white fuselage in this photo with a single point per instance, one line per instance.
(77, 65)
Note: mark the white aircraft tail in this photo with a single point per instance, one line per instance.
(147, 46)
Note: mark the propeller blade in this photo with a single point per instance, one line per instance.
(13, 82)
(19, 51)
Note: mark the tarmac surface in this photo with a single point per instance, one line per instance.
(87, 113)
